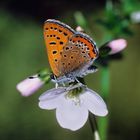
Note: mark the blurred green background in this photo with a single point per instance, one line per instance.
(22, 53)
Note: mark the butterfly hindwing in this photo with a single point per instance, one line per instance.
(78, 53)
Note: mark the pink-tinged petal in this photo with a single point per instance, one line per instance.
(51, 98)
(94, 103)
(71, 114)
(117, 45)
(28, 86)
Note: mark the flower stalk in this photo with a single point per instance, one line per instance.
(94, 127)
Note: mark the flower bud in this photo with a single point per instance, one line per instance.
(79, 29)
(117, 45)
(28, 86)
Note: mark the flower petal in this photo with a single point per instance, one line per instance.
(52, 93)
(71, 115)
(94, 103)
(51, 98)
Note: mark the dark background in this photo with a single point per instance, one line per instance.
(22, 53)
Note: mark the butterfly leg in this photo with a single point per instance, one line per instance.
(63, 84)
(71, 87)
(56, 85)
(79, 83)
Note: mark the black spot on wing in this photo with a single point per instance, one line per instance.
(52, 43)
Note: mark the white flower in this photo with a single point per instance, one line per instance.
(135, 17)
(28, 86)
(72, 110)
(117, 45)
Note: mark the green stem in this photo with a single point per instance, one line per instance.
(105, 82)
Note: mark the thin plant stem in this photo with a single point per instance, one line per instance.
(93, 125)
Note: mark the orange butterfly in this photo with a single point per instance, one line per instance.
(71, 53)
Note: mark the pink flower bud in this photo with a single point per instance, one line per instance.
(79, 29)
(28, 86)
(117, 45)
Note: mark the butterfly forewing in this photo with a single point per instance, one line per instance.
(56, 36)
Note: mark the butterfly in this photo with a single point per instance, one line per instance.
(70, 53)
